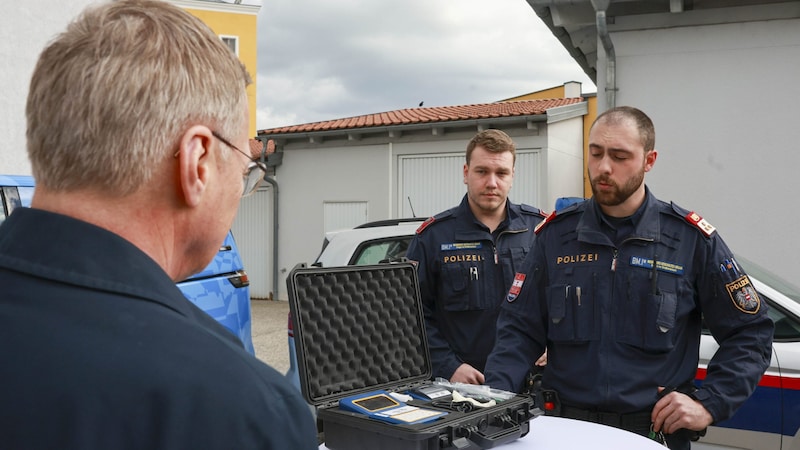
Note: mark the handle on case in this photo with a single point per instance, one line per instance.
(502, 437)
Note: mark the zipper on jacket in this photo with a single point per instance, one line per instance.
(495, 242)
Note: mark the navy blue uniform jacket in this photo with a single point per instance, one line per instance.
(635, 323)
(101, 350)
(464, 273)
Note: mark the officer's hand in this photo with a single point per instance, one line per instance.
(542, 361)
(467, 374)
(675, 411)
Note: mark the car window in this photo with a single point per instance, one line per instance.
(25, 195)
(9, 200)
(787, 328)
(382, 250)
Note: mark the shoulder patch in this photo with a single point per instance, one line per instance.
(444, 215)
(425, 224)
(547, 220)
(695, 219)
(743, 295)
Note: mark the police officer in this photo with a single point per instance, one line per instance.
(467, 257)
(616, 287)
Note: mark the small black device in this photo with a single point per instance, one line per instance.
(429, 392)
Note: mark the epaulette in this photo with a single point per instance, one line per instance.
(425, 224)
(693, 218)
(547, 220)
(532, 210)
(430, 220)
(566, 211)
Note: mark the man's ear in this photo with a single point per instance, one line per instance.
(193, 163)
(650, 160)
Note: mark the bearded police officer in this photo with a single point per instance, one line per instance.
(467, 257)
(616, 287)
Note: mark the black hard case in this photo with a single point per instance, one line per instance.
(359, 329)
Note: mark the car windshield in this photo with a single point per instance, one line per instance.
(769, 278)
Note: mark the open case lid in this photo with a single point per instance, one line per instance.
(357, 329)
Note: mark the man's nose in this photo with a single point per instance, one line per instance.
(604, 165)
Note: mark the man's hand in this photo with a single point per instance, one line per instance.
(675, 411)
(467, 374)
(542, 361)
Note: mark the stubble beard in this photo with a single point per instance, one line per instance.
(618, 194)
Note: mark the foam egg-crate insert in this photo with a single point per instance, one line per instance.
(360, 327)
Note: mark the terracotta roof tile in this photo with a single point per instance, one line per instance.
(430, 115)
(256, 146)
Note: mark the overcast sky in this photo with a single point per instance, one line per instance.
(321, 59)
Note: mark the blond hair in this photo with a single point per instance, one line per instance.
(112, 94)
(494, 141)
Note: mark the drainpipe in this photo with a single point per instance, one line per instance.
(275, 217)
(600, 7)
(274, 184)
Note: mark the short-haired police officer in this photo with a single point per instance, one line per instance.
(467, 257)
(616, 287)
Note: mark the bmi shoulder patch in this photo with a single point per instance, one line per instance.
(695, 219)
(425, 224)
(547, 220)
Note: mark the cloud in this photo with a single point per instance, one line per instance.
(321, 60)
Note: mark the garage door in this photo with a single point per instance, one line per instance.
(430, 184)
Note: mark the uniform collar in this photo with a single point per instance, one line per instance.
(646, 220)
(57, 247)
(473, 228)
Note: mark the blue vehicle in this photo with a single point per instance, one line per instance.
(222, 289)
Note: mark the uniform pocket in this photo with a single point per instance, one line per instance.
(650, 322)
(461, 290)
(571, 314)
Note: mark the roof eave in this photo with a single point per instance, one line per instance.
(435, 127)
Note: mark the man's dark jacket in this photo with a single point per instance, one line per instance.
(101, 350)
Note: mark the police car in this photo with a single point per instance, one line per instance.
(769, 420)
(222, 289)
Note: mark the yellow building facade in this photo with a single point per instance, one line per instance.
(236, 25)
(568, 90)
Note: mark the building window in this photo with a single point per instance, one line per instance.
(232, 42)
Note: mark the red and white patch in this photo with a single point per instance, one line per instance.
(425, 224)
(695, 219)
(545, 221)
(516, 287)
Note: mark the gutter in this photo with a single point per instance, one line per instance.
(542, 9)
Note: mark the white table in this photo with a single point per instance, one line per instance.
(556, 433)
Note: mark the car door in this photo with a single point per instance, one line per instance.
(770, 418)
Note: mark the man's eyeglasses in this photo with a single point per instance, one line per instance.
(253, 174)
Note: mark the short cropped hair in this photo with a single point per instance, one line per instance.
(494, 141)
(111, 96)
(647, 132)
